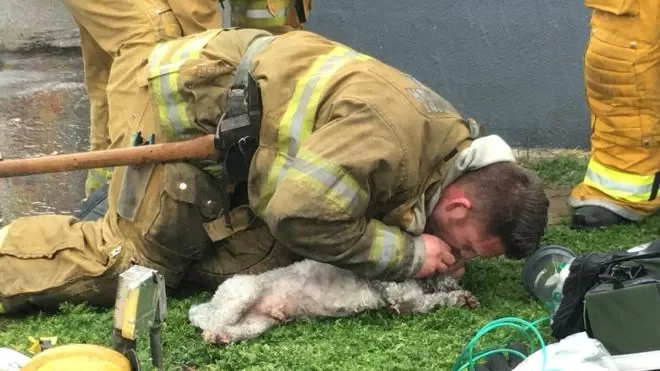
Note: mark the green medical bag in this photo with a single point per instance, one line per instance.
(622, 310)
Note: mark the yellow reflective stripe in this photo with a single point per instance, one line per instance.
(244, 22)
(386, 247)
(3, 233)
(214, 170)
(618, 184)
(154, 61)
(164, 80)
(330, 180)
(101, 175)
(97, 178)
(297, 122)
(2, 308)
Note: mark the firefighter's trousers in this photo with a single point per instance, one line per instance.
(622, 78)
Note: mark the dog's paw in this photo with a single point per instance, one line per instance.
(216, 337)
(393, 306)
(470, 301)
(279, 314)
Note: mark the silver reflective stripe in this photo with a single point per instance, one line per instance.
(169, 68)
(175, 117)
(333, 182)
(299, 115)
(386, 242)
(475, 129)
(260, 13)
(169, 89)
(255, 47)
(612, 184)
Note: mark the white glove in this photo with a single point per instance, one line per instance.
(11, 360)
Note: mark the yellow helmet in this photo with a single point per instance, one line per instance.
(78, 357)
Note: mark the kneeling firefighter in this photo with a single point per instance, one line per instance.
(182, 219)
(622, 76)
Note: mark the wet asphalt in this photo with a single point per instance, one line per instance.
(43, 105)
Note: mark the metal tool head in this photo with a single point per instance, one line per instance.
(140, 307)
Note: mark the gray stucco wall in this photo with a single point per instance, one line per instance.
(515, 65)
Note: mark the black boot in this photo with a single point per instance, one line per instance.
(95, 206)
(591, 217)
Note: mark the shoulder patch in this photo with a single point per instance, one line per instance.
(431, 101)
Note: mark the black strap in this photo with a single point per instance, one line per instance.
(238, 129)
(451, 154)
(656, 185)
(237, 137)
(300, 10)
(650, 255)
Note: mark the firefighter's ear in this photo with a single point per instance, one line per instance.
(458, 208)
(455, 201)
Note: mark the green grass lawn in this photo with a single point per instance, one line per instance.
(371, 341)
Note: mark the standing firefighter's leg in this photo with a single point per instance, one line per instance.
(622, 74)
(196, 16)
(97, 70)
(127, 30)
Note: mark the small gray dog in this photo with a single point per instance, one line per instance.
(246, 306)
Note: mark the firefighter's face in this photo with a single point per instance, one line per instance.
(452, 221)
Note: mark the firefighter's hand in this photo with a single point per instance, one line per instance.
(439, 258)
(457, 271)
(500, 362)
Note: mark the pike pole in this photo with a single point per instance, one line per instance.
(202, 148)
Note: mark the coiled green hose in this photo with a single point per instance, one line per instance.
(469, 358)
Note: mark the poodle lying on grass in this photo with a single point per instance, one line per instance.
(246, 306)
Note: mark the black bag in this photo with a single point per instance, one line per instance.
(604, 292)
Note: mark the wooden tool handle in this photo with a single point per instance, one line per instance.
(201, 148)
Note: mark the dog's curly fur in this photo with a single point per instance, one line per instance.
(246, 306)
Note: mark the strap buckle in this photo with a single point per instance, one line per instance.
(237, 137)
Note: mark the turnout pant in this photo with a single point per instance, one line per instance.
(622, 78)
